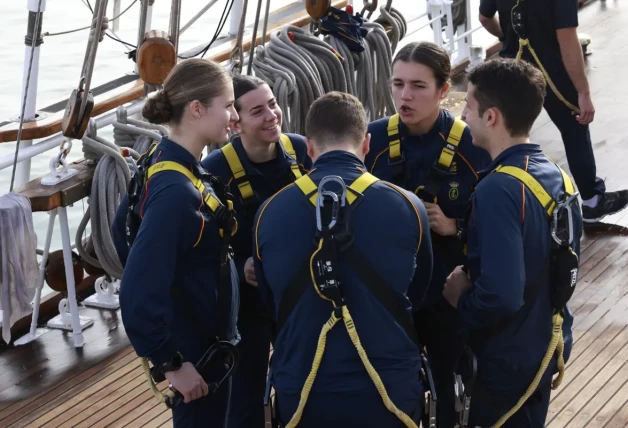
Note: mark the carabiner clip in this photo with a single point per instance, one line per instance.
(338, 202)
(564, 206)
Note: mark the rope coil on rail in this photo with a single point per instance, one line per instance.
(109, 186)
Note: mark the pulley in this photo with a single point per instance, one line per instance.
(317, 9)
(156, 57)
(74, 121)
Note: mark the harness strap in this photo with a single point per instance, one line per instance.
(238, 171)
(210, 200)
(286, 143)
(396, 158)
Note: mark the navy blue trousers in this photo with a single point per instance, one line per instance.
(343, 410)
(531, 415)
(576, 139)
(246, 409)
(209, 411)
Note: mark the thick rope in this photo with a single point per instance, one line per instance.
(109, 186)
(381, 59)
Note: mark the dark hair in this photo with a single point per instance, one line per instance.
(515, 87)
(191, 79)
(243, 84)
(334, 117)
(430, 55)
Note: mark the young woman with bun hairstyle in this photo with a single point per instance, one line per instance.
(168, 295)
(270, 161)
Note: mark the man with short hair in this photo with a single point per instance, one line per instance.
(550, 27)
(374, 242)
(506, 303)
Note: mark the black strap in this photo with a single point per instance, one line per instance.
(382, 291)
(369, 277)
(435, 179)
(300, 281)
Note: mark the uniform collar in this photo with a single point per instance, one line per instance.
(175, 152)
(439, 125)
(338, 158)
(249, 167)
(512, 153)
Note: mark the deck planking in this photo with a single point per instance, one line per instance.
(49, 383)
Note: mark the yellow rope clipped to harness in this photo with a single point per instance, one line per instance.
(151, 383)
(523, 41)
(320, 350)
(556, 345)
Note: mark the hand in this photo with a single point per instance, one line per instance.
(188, 382)
(587, 111)
(439, 223)
(457, 282)
(249, 272)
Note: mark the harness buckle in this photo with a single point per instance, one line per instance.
(337, 202)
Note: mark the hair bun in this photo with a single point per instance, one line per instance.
(157, 108)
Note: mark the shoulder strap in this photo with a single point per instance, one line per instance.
(238, 171)
(359, 265)
(547, 202)
(210, 200)
(396, 159)
(286, 143)
(440, 170)
(451, 145)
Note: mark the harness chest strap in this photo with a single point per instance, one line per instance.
(210, 200)
(246, 190)
(448, 152)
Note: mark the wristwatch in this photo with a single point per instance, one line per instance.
(175, 363)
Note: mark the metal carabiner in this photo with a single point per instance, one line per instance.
(566, 205)
(338, 202)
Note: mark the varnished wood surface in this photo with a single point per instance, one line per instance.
(126, 93)
(49, 384)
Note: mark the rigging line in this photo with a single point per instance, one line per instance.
(115, 38)
(46, 34)
(221, 23)
(28, 79)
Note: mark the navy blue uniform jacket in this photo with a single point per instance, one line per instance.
(422, 152)
(390, 229)
(169, 285)
(266, 179)
(508, 244)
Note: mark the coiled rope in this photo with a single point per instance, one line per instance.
(109, 186)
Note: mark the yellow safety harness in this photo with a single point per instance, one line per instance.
(331, 292)
(556, 344)
(518, 17)
(223, 212)
(396, 158)
(239, 175)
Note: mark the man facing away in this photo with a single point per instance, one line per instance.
(373, 239)
(550, 26)
(509, 304)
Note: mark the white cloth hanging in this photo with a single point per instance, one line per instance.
(19, 269)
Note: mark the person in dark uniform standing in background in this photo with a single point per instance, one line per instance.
(171, 293)
(506, 303)
(415, 150)
(550, 27)
(386, 230)
(257, 163)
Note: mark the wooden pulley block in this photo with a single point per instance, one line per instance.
(156, 57)
(317, 9)
(55, 271)
(92, 270)
(74, 124)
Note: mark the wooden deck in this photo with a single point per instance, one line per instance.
(50, 384)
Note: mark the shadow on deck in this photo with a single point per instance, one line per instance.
(48, 383)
